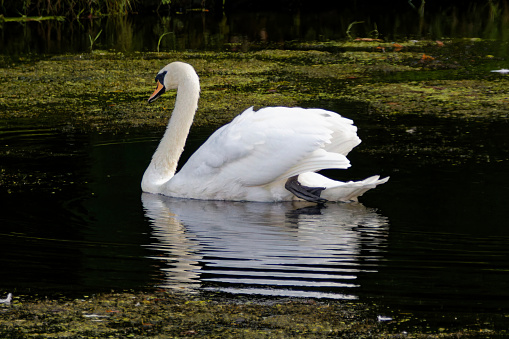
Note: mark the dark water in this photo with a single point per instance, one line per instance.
(434, 237)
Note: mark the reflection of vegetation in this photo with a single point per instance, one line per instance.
(420, 10)
(120, 33)
(249, 32)
(118, 6)
(240, 31)
(69, 8)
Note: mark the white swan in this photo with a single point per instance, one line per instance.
(267, 155)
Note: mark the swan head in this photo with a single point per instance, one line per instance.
(171, 76)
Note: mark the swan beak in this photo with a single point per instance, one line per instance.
(157, 93)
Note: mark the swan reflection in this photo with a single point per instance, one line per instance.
(283, 249)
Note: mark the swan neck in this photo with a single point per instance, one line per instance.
(165, 159)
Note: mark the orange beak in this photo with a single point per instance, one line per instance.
(157, 93)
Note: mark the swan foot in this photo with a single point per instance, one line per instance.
(304, 192)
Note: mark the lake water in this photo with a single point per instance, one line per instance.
(434, 237)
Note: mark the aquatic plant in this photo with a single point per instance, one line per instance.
(93, 40)
(348, 30)
(160, 38)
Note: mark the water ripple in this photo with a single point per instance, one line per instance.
(285, 249)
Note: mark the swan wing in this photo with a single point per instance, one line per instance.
(260, 147)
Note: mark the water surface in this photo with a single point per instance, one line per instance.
(435, 236)
(279, 249)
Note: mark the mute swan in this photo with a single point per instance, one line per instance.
(267, 155)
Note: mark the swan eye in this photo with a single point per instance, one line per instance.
(160, 77)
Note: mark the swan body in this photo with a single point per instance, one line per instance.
(268, 155)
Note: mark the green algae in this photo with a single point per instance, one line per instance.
(163, 315)
(107, 91)
(455, 98)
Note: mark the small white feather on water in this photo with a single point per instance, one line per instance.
(502, 71)
(383, 318)
(6, 300)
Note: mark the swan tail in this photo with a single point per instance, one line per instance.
(338, 190)
(351, 190)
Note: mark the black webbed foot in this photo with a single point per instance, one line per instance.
(304, 192)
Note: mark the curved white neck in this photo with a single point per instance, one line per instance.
(165, 159)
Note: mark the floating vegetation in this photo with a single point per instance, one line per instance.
(107, 91)
(31, 18)
(125, 315)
